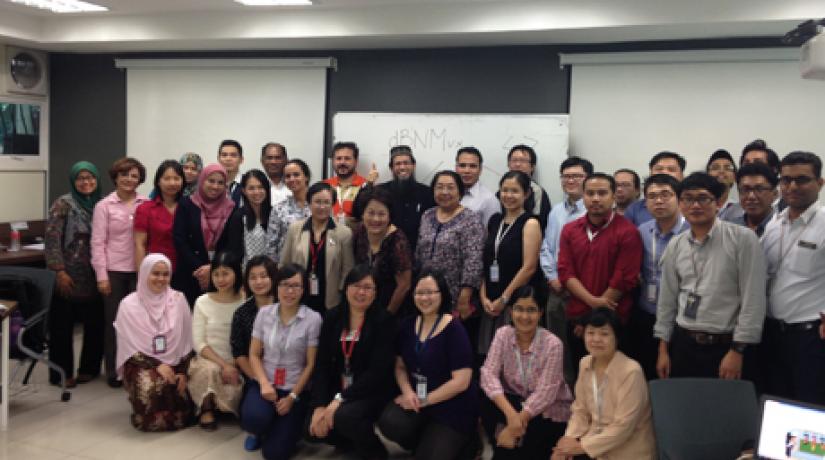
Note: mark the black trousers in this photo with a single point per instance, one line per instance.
(426, 437)
(690, 359)
(123, 284)
(354, 428)
(795, 360)
(575, 347)
(642, 345)
(541, 436)
(62, 317)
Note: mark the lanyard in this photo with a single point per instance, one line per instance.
(274, 333)
(591, 235)
(502, 232)
(419, 345)
(654, 264)
(347, 350)
(525, 373)
(315, 251)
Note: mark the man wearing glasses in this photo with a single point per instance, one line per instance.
(794, 243)
(628, 187)
(711, 302)
(662, 163)
(523, 158)
(757, 191)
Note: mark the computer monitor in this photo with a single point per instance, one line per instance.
(791, 430)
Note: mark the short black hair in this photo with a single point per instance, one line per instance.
(320, 187)
(761, 146)
(637, 182)
(668, 154)
(601, 175)
(538, 296)
(346, 145)
(175, 166)
(524, 148)
(757, 169)
(572, 161)
(720, 154)
(229, 260)
(701, 181)
(370, 193)
(271, 271)
(454, 175)
(471, 151)
(233, 143)
(662, 179)
(444, 288)
(286, 272)
(278, 146)
(799, 157)
(604, 316)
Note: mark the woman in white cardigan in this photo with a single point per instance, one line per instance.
(322, 247)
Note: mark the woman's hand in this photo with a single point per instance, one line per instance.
(229, 375)
(268, 392)
(105, 288)
(181, 381)
(284, 405)
(317, 426)
(568, 446)
(329, 413)
(408, 401)
(202, 275)
(65, 283)
(506, 438)
(167, 373)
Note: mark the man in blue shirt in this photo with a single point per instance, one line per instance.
(662, 163)
(573, 172)
(663, 205)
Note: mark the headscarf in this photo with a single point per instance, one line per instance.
(214, 212)
(144, 315)
(86, 202)
(189, 188)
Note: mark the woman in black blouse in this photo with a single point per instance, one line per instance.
(352, 381)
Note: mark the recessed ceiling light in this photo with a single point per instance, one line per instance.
(62, 6)
(275, 2)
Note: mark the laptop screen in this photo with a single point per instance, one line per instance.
(791, 430)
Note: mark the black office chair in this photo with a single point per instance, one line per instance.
(704, 419)
(32, 288)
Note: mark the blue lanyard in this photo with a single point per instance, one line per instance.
(419, 345)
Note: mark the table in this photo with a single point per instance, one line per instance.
(23, 257)
(10, 305)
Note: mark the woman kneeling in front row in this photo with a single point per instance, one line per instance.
(282, 355)
(529, 402)
(435, 416)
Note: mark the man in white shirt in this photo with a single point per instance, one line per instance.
(468, 162)
(273, 159)
(793, 354)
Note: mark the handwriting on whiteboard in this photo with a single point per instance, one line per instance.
(426, 139)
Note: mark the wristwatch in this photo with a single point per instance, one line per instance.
(338, 397)
(739, 347)
(294, 396)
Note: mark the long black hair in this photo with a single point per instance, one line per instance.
(266, 206)
(443, 288)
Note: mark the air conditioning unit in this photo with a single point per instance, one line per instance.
(812, 61)
(25, 72)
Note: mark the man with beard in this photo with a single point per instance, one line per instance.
(347, 182)
(409, 198)
(273, 159)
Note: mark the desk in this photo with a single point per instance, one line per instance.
(10, 305)
(23, 257)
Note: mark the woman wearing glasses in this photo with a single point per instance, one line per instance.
(322, 247)
(352, 381)
(436, 414)
(529, 402)
(282, 356)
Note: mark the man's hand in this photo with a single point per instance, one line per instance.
(731, 367)
(663, 362)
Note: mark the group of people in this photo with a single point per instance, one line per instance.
(438, 313)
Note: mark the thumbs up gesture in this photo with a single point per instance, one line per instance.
(373, 174)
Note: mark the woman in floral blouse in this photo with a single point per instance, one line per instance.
(292, 209)
(68, 233)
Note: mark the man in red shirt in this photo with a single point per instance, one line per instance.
(600, 255)
(347, 182)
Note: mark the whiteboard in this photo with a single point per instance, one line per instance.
(25, 195)
(435, 139)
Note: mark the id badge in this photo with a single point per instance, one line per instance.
(420, 386)
(494, 272)
(346, 379)
(313, 284)
(692, 305)
(342, 218)
(652, 293)
(279, 377)
(159, 344)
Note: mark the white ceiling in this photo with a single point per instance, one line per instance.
(157, 25)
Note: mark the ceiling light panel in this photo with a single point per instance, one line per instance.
(275, 2)
(62, 6)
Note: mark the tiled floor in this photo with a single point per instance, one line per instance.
(94, 424)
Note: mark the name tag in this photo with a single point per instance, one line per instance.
(420, 386)
(280, 376)
(346, 379)
(159, 344)
(807, 245)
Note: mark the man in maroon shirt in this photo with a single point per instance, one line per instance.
(600, 255)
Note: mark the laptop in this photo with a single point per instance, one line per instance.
(791, 430)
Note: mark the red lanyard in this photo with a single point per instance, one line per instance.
(315, 251)
(347, 351)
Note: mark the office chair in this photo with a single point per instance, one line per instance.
(704, 419)
(32, 288)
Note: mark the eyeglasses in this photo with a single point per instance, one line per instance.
(717, 168)
(426, 293)
(571, 177)
(363, 287)
(525, 310)
(291, 286)
(800, 180)
(703, 200)
(664, 196)
(85, 179)
(758, 190)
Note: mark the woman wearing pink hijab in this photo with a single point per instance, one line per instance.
(154, 347)
(199, 223)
